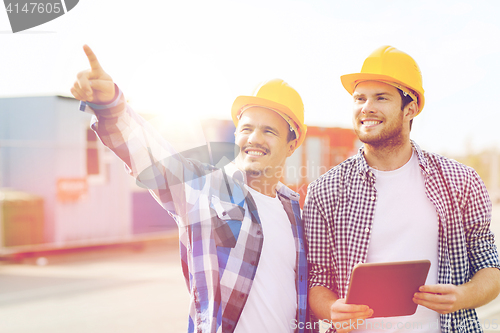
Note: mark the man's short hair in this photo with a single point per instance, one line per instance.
(405, 100)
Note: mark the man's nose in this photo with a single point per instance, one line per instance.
(368, 107)
(256, 137)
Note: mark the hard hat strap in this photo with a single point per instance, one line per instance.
(404, 89)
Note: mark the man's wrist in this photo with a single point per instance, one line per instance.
(114, 102)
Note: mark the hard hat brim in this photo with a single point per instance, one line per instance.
(242, 101)
(349, 81)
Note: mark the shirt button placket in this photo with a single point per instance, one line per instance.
(367, 230)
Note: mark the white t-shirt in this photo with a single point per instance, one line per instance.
(272, 303)
(405, 227)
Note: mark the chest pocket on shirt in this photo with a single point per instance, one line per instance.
(226, 223)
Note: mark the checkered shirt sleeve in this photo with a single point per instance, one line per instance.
(150, 159)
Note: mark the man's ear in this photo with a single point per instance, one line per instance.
(411, 110)
(292, 145)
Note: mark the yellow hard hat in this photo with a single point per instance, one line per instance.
(388, 64)
(280, 97)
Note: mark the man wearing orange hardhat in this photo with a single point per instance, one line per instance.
(395, 202)
(241, 235)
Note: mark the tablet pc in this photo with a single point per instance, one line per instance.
(387, 288)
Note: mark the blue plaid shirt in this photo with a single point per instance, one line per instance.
(339, 211)
(219, 227)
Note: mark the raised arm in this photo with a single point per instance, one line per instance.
(147, 155)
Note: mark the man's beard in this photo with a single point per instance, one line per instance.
(254, 173)
(266, 172)
(258, 172)
(389, 137)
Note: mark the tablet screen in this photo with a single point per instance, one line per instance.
(387, 288)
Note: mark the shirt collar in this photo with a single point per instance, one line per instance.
(422, 160)
(364, 168)
(287, 192)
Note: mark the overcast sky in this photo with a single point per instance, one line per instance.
(190, 59)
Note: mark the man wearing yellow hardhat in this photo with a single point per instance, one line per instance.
(395, 202)
(241, 235)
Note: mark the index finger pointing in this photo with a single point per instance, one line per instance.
(94, 63)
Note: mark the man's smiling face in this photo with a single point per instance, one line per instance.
(262, 137)
(377, 117)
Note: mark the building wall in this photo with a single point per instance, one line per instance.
(43, 140)
(28, 149)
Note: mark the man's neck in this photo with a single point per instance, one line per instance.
(388, 158)
(266, 186)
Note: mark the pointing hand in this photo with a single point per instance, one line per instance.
(93, 85)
